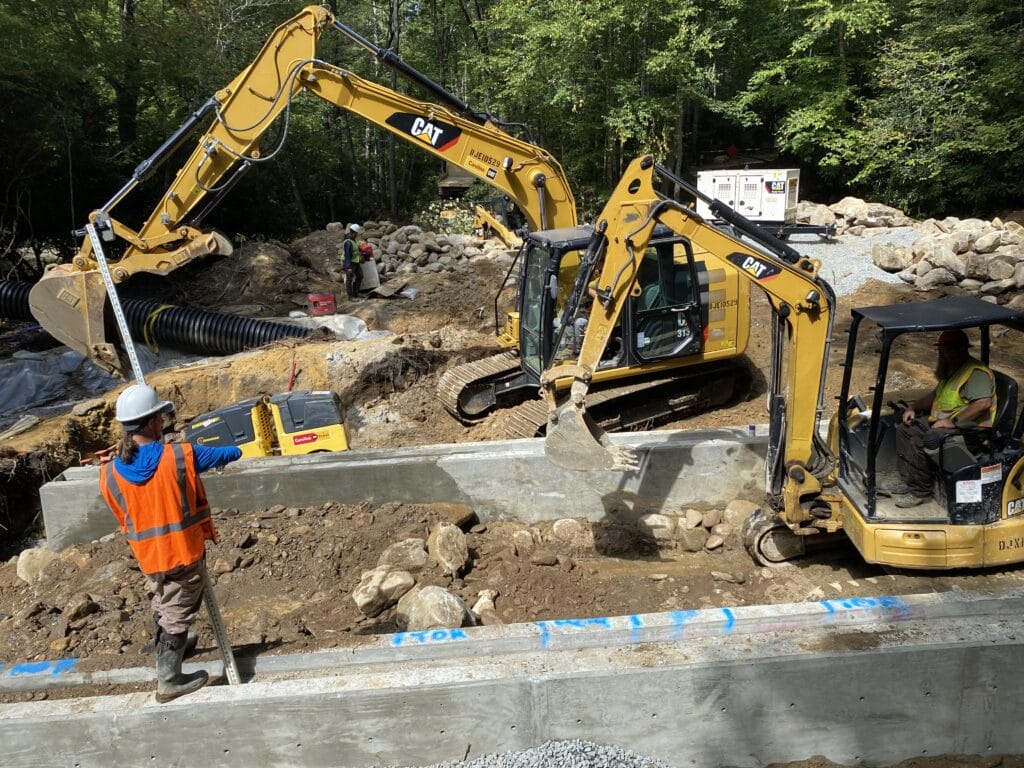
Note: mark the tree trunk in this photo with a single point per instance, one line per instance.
(394, 34)
(300, 206)
(126, 87)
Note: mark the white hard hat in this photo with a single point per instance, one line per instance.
(137, 403)
(355, 228)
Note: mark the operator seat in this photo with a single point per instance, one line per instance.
(1006, 403)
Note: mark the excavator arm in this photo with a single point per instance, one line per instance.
(69, 301)
(803, 306)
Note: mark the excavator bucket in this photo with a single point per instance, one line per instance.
(573, 441)
(69, 305)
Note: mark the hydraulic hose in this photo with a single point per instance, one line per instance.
(188, 330)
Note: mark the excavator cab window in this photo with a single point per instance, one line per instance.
(668, 310)
(536, 303)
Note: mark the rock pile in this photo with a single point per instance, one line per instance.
(983, 258)
(402, 250)
(696, 530)
(852, 216)
(395, 581)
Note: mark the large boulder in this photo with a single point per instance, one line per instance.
(935, 278)
(944, 256)
(431, 608)
(891, 258)
(447, 546)
(380, 589)
(406, 555)
(33, 562)
(850, 208)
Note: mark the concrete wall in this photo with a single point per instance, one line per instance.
(864, 680)
(500, 480)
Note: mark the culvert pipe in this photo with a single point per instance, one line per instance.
(188, 330)
(14, 300)
(201, 331)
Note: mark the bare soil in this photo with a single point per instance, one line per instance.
(286, 575)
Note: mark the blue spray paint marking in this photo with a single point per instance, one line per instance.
(730, 620)
(545, 627)
(428, 637)
(53, 668)
(636, 623)
(678, 620)
(885, 602)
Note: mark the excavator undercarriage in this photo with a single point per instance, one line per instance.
(472, 391)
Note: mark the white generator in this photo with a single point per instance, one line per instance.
(766, 194)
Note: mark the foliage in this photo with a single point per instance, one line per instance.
(448, 217)
(945, 128)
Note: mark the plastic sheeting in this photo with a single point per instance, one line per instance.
(51, 381)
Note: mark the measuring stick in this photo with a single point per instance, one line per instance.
(219, 632)
(115, 302)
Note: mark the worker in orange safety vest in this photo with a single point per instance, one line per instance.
(154, 490)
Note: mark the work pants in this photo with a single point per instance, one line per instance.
(354, 280)
(177, 596)
(916, 469)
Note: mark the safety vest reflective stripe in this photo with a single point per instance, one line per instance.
(108, 483)
(163, 530)
(190, 516)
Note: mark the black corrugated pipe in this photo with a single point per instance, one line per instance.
(187, 330)
(206, 333)
(14, 300)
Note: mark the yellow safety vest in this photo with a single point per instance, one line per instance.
(948, 403)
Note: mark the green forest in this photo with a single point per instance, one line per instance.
(915, 103)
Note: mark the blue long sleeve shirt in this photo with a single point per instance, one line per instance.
(148, 457)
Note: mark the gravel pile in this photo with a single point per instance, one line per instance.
(846, 262)
(575, 753)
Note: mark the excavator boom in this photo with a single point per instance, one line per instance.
(69, 301)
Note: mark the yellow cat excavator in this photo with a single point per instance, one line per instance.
(70, 300)
(816, 487)
(649, 377)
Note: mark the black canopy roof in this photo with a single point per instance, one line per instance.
(939, 314)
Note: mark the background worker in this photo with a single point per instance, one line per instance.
(965, 394)
(154, 490)
(351, 260)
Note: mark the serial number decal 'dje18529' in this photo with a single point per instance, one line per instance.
(752, 265)
(438, 134)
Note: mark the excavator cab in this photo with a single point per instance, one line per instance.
(663, 323)
(975, 516)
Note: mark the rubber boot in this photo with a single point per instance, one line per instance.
(170, 682)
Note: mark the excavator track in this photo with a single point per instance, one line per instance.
(639, 405)
(456, 380)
